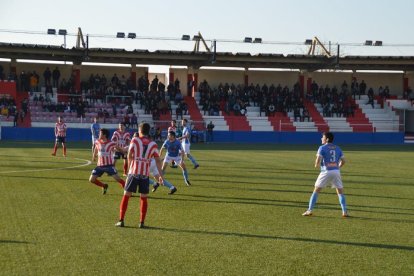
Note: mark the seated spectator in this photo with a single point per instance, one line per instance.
(178, 112)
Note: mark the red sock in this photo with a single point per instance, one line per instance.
(143, 210)
(123, 207)
(98, 183)
(64, 150)
(122, 182)
(54, 149)
(125, 167)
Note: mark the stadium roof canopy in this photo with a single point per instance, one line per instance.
(198, 59)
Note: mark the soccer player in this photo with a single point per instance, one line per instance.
(155, 173)
(185, 141)
(173, 128)
(122, 138)
(141, 150)
(174, 153)
(330, 159)
(95, 128)
(60, 134)
(104, 149)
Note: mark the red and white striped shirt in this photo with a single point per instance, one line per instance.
(122, 139)
(172, 128)
(143, 149)
(105, 152)
(60, 129)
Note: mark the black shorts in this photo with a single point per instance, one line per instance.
(137, 181)
(119, 155)
(60, 139)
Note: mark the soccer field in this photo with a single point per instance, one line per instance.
(241, 216)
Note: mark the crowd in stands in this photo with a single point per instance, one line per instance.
(233, 99)
(8, 108)
(155, 97)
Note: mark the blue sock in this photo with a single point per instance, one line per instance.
(151, 182)
(185, 174)
(342, 201)
(192, 159)
(168, 184)
(312, 200)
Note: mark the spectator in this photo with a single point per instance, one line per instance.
(134, 121)
(56, 77)
(210, 128)
(47, 74)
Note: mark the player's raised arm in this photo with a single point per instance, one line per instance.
(159, 167)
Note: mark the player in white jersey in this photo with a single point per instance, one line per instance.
(60, 134)
(185, 142)
(330, 159)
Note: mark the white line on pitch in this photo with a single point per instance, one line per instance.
(55, 169)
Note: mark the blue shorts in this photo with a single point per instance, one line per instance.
(100, 170)
(60, 139)
(137, 181)
(119, 155)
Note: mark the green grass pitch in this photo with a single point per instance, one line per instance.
(242, 216)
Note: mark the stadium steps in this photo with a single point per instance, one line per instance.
(281, 122)
(317, 118)
(237, 122)
(359, 122)
(194, 112)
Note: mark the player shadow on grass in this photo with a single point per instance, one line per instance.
(308, 240)
(277, 202)
(12, 241)
(237, 186)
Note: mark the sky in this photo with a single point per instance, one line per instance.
(283, 25)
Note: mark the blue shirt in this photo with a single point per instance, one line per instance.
(173, 148)
(331, 155)
(95, 128)
(186, 131)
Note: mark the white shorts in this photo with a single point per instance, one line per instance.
(153, 168)
(332, 177)
(169, 159)
(186, 148)
(94, 140)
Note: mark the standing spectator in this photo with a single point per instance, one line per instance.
(140, 152)
(134, 121)
(47, 74)
(56, 77)
(210, 128)
(60, 134)
(330, 159)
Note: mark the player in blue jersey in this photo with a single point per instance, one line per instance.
(95, 128)
(174, 153)
(330, 159)
(185, 141)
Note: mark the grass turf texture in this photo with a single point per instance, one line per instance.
(242, 216)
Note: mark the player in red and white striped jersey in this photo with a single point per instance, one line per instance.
(140, 151)
(60, 134)
(104, 150)
(122, 138)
